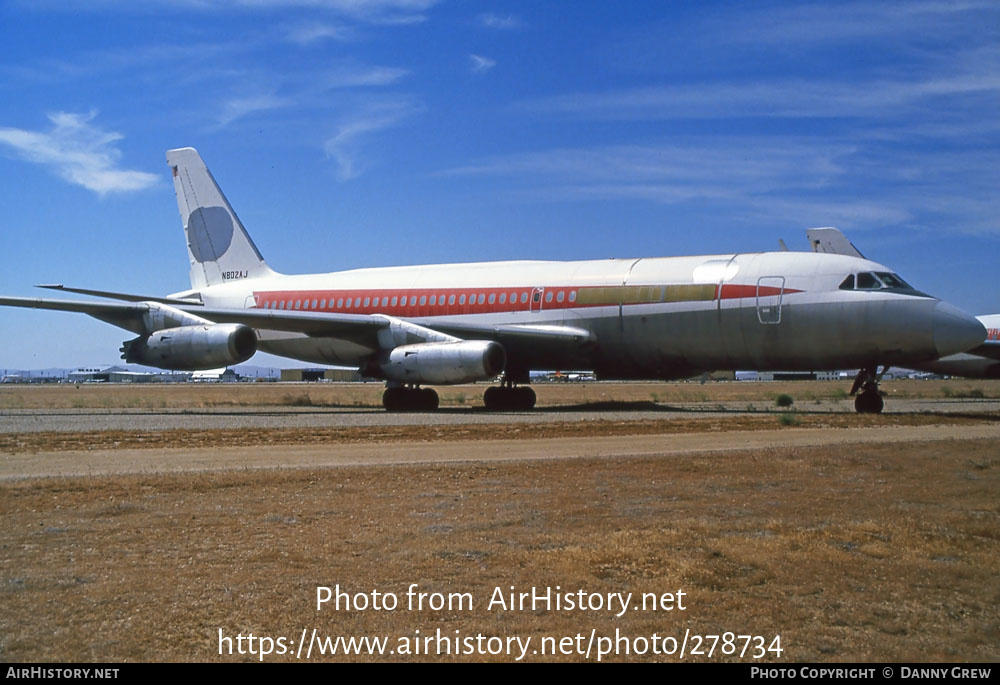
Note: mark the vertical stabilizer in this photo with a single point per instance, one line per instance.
(219, 248)
(831, 241)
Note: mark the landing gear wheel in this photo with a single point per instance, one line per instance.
(869, 399)
(428, 400)
(869, 402)
(526, 397)
(509, 398)
(409, 399)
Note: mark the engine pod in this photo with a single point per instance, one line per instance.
(445, 363)
(192, 348)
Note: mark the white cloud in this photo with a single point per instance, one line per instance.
(238, 108)
(78, 152)
(306, 34)
(776, 98)
(354, 77)
(480, 65)
(307, 91)
(821, 23)
(853, 182)
(495, 21)
(376, 11)
(345, 146)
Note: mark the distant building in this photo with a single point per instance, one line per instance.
(100, 374)
(314, 375)
(120, 374)
(215, 376)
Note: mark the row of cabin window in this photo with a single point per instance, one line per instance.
(432, 300)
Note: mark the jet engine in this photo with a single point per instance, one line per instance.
(444, 363)
(192, 348)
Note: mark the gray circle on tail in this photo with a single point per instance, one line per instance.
(210, 232)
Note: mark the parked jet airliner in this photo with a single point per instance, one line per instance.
(653, 318)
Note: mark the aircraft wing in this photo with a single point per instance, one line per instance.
(361, 328)
(128, 297)
(130, 315)
(127, 316)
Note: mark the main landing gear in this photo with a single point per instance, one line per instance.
(869, 400)
(508, 397)
(402, 398)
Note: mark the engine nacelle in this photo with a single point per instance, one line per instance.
(193, 348)
(445, 363)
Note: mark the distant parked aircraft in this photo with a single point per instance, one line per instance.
(979, 362)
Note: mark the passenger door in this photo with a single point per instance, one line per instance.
(769, 292)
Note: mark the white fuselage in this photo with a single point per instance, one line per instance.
(648, 318)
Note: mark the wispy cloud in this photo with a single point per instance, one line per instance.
(502, 23)
(237, 108)
(355, 130)
(358, 76)
(317, 31)
(854, 183)
(78, 152)
(375, 10)
(480, 65)
(776, 98)
(301, 93)
(823, 23)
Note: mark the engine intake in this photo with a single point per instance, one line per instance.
(193, 348)
(444, 363)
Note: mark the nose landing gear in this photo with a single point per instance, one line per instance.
(869, 400)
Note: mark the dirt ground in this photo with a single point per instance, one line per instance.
(831, 537)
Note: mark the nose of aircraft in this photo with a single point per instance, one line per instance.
(955, 331)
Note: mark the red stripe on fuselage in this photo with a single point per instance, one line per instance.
(458, 301)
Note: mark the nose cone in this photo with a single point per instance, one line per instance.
(955, 331)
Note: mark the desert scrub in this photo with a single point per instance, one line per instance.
(301, 400)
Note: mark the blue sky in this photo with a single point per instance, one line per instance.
(350, 133)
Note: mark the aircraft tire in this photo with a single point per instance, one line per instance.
(410, 399)
(509, 399)
(526, 398)
(392, 399)
(493, 398)
(869, 402)
(428, 400)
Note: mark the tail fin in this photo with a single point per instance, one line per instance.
(832, 241)
(219, 248)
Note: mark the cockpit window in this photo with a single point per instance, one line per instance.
(878, 280)
(867, 281)
(892, 280)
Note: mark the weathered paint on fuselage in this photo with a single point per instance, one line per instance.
(650, 318)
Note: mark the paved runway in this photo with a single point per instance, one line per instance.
(74, 420)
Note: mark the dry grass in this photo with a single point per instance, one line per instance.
(185, 395)
(60, 441)
(886, 554)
